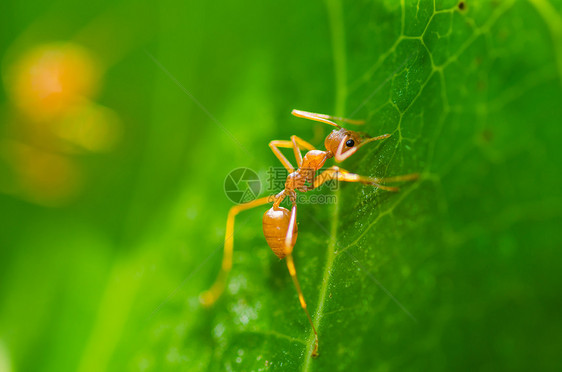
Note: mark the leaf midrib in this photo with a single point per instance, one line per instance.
(340, 71)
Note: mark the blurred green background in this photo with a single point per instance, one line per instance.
(121, 120)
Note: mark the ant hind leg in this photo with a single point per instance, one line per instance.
(293, 273)
(210, 296)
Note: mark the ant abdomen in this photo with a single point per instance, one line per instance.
(275, 226)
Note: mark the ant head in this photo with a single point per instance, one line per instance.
(343, 143)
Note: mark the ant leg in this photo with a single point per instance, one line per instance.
(297, 151)
(209, 297)
(293, 273)
(286, 163)
(336, 173)
(325, 118)
(297, 144)
(302, 144)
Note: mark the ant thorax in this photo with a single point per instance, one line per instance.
(311, 162)
(314, 159)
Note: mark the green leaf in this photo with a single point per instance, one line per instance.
(444, 273)
(452, 272)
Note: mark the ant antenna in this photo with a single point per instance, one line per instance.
(325, 118)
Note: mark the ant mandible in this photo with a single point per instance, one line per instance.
(279, 224)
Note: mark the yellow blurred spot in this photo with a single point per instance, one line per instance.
(49, 78)
(40, 176)
(51, 88)
(89, 126)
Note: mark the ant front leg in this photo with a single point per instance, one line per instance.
(297, 144)
(209, 297)
(336, 173)
(274, 146)
(325, 118)
(293, 273)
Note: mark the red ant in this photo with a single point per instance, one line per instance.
(279, 224)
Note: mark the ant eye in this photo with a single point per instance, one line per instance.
(350, 143)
